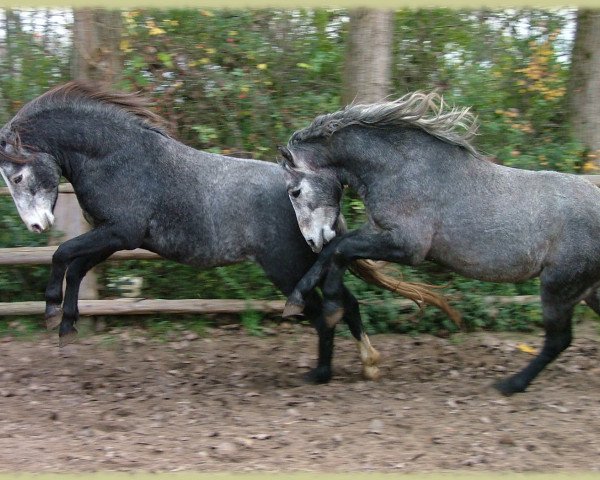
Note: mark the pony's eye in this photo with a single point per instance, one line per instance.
(3, 143)
(295, 193)
(17, 179)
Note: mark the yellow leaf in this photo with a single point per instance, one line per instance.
(589, 167)
(262, 66)
(156, 31)
(124, 45)
(204, 60)
(207, 13)
(210, 51)
(523, 347)
(244, 89)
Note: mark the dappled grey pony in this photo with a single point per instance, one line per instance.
(430, 196)
(139, 187)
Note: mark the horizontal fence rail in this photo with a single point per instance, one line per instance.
(43, 255)
(146, 306)
(62, 188)
(143, 306)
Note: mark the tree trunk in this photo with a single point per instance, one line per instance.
(584, 87)
(96, 39)
(368, 62)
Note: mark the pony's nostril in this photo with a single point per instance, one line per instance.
(311, 243)
(36, 228)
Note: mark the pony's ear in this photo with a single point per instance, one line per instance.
(11, 150)
(288, 161)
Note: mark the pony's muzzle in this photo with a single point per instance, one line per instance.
(325, 236)
(42, 223)
(328, 235)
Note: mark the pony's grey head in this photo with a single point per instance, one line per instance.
(32, 179)
(315, 196)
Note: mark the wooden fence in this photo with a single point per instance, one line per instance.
(141, 306)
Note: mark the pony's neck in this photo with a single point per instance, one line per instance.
(358, 156)
(73, 136)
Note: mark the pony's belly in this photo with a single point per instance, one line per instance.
(488, 267)
(197, 254)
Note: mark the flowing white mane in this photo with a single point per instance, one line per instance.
(426, 111)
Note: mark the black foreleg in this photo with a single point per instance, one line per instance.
(75, 273)
(380, 246)
(295, 302)
(79, 255)
(314, 311)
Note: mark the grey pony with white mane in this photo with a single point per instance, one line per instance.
(430, 195)
(139, 187)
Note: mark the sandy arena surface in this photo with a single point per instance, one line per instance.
(230, 401)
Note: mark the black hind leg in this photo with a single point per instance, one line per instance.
(369, 357)
(557, 324)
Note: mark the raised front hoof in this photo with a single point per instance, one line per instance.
(509, 386)
(333, 315)
(53, 316)
(294, 306)
(318, 375)
(67, 337)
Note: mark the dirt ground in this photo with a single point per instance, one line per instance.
(235, 402)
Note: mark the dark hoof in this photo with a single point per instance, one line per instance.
(294, 305)
(292, 310)
(508, 387)
(318, 375)
(53, 316)
(67, 338)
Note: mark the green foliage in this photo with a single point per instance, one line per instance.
(236, 82)
(22, 327)
(239, 82)
(251, 322)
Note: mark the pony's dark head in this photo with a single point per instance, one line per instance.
(36, 141)
(315, 196)
(32, 178)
